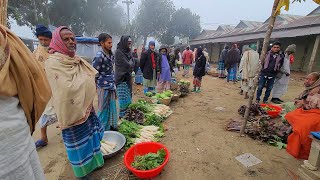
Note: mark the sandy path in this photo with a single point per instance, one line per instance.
(196, 137)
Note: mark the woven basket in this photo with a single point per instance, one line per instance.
(165, 101)
(176, 96)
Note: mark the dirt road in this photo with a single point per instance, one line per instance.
(196, 137)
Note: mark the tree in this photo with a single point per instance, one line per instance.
(29, 12)
(185, 24)
(102, 16)
(153, 18)
(90, 16)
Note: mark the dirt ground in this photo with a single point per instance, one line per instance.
(200, 146)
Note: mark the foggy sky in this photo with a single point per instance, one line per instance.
(216, 12)
(230, 12)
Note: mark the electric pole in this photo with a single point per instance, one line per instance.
(128, 2)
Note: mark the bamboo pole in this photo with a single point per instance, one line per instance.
(262, 58)
(314, 54)
(3, 12)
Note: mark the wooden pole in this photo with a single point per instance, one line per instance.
(314, 54)
(262, 58)
(3, 12)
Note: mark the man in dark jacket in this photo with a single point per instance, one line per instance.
(148, 65)
(273, 62)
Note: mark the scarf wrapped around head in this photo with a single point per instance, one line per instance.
(21, 75)
(57, 44)
(308, 89)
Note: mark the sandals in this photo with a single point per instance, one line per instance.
(40, 144)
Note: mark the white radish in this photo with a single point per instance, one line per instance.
(107, 148)
(110, 144)
(103, 150)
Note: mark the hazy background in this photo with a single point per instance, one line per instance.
(216, 12)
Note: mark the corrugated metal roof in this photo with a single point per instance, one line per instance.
(250, 24)
(307, 25)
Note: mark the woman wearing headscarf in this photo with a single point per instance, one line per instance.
(24, 93)
(123, 73)
(199, 70)
(72, 82)
(305, 119)
(148, 65)
(103, 63)
(165, 70)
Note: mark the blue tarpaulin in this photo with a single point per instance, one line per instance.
(87, 40)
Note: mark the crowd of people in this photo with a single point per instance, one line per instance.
(55, 85)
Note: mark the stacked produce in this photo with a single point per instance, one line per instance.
(165, 95)
(107, 147)
(143, 122)
(162, 110)
(261, 127)
(184, 86)
(135, 133)
(149, 161)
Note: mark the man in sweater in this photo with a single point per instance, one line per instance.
(273, 62)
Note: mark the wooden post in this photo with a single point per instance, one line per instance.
(314, 54)
(3, 12)
(262, 58)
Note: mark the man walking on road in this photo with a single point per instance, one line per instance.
(270, 68)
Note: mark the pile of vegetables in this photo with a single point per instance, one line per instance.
(162, 110)
(165, 95)
(184, 83)
(107, 147)
(149, 161)
(135, 133)
(143, 122)
(142, 105)
(184, 86)
(267, 108)
(134, 115)
(261, 127)
(255, 110)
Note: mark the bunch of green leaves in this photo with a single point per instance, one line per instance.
(278, 142)
(149, 161)
(152, 119)
(130, 130)
(142, 105)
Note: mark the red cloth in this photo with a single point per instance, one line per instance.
(291, 59)
(57, 44)
(303, 122)
(187, 57)
(153, 61)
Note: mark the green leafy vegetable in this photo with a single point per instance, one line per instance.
(130, 130)
(149, 161)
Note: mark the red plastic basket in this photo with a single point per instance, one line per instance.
(142, 149)
(275, 113)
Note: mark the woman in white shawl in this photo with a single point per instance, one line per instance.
(280, 86)
(248, 68)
